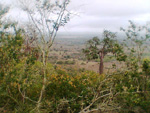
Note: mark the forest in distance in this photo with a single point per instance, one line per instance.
(42, 72)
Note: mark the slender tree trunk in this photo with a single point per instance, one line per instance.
(101, 66)
(44, 59)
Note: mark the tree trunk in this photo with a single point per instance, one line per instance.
(101, 66)
(44, 59)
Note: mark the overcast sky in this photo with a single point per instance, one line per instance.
(96, 15)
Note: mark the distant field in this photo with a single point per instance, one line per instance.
(68, 52)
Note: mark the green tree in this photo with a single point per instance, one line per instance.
(46, 17)
(136, 40)
(96, 48)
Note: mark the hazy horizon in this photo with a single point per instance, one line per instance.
(94, 16)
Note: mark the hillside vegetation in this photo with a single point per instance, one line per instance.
(34, 81)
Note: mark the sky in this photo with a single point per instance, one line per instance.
(93, 16)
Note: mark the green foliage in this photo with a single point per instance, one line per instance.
(91, 51)
(108, 44)
(146, 66)
(132, 95)
(137, 37)
(17, 70)
(71, 88)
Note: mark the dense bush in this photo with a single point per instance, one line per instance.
(68, 90)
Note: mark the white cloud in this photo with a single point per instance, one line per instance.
(108, 14)
(96, 15)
